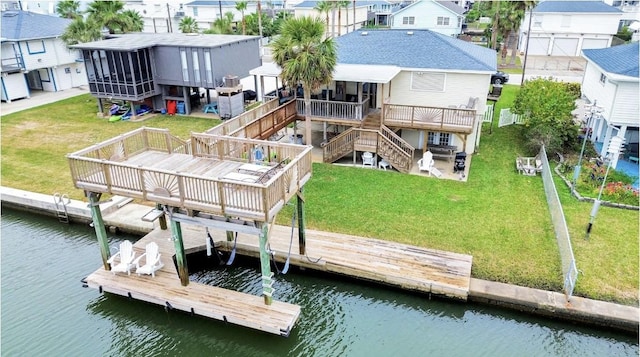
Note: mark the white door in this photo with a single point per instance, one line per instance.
(538, 46)
(565, 47)
(589, 43)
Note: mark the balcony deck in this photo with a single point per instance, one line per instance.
(211, 173)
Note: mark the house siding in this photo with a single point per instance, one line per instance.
(625, 105)
(426, 15)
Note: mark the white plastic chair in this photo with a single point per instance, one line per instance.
(367, 160)
(125, 257)
(152, 260)
(426, 164)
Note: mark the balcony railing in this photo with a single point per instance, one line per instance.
(435, 118)
(12, 64)
(335, 109)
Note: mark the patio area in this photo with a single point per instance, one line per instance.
(630, 168)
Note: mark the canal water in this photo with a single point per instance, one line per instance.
(47, 312)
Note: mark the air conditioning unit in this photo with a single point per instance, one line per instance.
(179, 13)
(231, 81)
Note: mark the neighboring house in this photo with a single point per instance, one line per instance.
(443, 17)
(379, 12)
(419, 88)
(158, 16)
(612, 80)
(630, 11)
(565, 28)
(347, 19)
(156, 68)
(207, 12)
(34, 57)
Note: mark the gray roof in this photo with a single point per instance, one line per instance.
(452, 6)
(422, 49)
(25, 25)
(622, 60)
(574, 6)
(134, 41)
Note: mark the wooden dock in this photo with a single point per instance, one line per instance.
(408, 267)
(199, 299)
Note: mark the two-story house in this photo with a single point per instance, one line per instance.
(341, 21)
(207, 12)
(425, 90)
(565, 28)
(444, 17)
(611, 80)
(157, 68)
(34, 57)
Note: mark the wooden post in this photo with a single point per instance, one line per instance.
(301, 233)
(265, 265)
(181, 259)
(162, 219)
(98, 225)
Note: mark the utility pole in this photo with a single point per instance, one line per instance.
(220, 8)
(260, 21)
(526, 48)
(169, 27)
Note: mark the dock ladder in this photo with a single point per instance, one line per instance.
(61, 202)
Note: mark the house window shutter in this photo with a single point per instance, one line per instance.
(426, 81)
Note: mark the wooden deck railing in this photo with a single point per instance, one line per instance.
(335, 109)
(93, 169)
(443, 119)
(268, 124)
(232, 125)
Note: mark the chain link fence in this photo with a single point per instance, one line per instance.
(568, 261)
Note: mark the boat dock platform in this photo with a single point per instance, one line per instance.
(403, 266)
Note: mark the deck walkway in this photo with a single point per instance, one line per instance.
(199, 299)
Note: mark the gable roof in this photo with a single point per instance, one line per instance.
(622, 60)
(452, 6)
(575, 6)
(25, 25)
(414, 49)
(449, 5)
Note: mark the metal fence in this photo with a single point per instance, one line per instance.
(569, 270)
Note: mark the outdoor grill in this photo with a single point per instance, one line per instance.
(458, 163)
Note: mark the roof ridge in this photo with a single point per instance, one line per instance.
(450, 43)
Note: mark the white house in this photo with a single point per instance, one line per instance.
(565, 28)
(444, 17)
(611, 80)
(207, 12)
(341, 21)
(35, 58)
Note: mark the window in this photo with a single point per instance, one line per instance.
(427, 81)
(196, 66)
(207, 67)
(408, 20)
(566, 21)
(437, 138)
(35, 47)
(195, 11)
(603, 78)
(185, 67)
(443, 21)
(537, 20)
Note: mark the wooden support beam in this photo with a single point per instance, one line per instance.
(162, 219)
(265, 265)
(301, 232)
(98, 225)
(229, 226)
(181, 258)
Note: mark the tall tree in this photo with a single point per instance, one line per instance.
(135, 21)
(324, 7)
(80, 31)
(305, 56)
(110, 14)
(68, 9)
(343, 4)
(242, 6)
(223, 26)
(188, 25)
(521, 7)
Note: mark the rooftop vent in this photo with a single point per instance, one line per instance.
(364, 33)
(409, 33)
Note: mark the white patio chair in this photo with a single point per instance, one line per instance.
(426, 164)
(125, 257)
(152, 260)
(367, 160)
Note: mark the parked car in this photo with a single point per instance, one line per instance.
(499, 78)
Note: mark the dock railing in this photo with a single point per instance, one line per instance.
(96, 169)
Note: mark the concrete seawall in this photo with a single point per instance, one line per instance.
(122, 215)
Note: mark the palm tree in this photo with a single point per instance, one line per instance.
(520, 7)
(223, 26)
(324, 7)
(68, 9)
(188, 25)
(80, 31)
(109, 15)
(341, 4)
(306, 57)
(241, 6)
(135, 21)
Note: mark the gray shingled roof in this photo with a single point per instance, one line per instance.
(422, 49)
(452, 6)
(622, 60)
(25, 25)
(574, 6)
(133, 41)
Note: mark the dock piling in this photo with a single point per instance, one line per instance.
(98, 225)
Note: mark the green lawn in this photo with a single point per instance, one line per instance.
(498, 216)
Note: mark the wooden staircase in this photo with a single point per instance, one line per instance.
(381, 140)
(371, 121)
